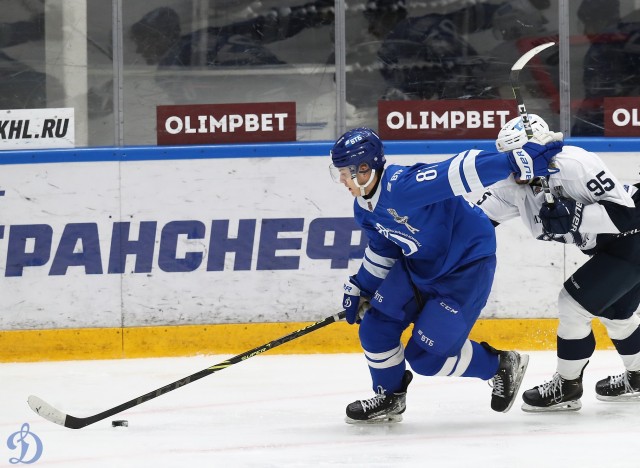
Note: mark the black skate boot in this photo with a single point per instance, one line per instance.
(623, 387)
(558, 395)
(507, 380)
(382, 407)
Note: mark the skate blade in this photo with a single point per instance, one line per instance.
(392, 419)
(522, 368)
(635, 396)
(573, 405)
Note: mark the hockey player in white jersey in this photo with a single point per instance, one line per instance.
(430, 261)
(595, 211)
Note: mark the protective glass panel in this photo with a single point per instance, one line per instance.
(229, 52)
(400, 50)
(23, 75)
(605, 67)
(58, 54)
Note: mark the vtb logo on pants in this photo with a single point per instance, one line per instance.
(425, 339)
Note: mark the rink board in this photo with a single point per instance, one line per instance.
(191, 340)
(106, 251)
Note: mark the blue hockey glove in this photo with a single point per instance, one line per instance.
(354, 305)
(564, 216)
(533, 159)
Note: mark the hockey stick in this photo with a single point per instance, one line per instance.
(522, 110)
(50, 413)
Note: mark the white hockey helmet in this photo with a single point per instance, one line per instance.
(513, 136)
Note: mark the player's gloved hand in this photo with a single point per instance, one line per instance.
(565, 215)
(354, 305)
(533, 159)
(364, 306)
(542, 138)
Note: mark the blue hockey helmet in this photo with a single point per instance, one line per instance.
(358, 146)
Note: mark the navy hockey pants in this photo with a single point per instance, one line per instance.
(606, 286)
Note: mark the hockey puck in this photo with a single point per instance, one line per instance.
(120, 423)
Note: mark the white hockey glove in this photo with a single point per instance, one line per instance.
(542, 138)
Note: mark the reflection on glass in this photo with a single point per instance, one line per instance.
(239, 55)
(21, 49)
(36, 72)
(447, 50)
(609, 46)
(243, 51)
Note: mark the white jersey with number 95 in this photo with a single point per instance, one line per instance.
(583, 177)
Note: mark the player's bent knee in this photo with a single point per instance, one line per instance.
(441, 328)
(423, 362)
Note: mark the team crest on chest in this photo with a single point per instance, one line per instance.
(402, 220)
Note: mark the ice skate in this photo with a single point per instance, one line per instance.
(622, 387)
(506, 382)
(382, 408)
(559, 394)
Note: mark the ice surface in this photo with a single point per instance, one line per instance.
(287, 411)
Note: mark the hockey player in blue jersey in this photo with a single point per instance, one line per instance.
(430, 261)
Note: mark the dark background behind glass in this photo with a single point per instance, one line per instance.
(232, 51)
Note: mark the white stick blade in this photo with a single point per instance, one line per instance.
(522, 61)
(47, 411)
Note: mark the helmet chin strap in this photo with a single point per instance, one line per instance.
(363, 187)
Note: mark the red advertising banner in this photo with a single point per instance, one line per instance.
(226, 123)
(444, 120)
(621, 117)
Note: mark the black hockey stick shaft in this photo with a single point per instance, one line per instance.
(522, 110)
(51, 414)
